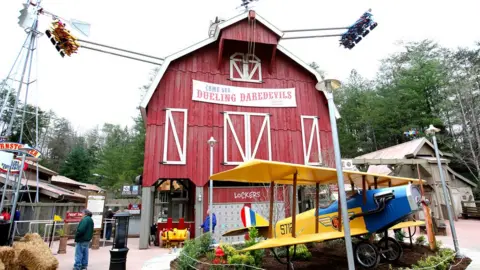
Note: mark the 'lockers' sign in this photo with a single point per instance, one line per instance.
(241, 195)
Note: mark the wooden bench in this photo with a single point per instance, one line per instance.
(468, 210)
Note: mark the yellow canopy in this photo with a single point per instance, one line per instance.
(263, 171)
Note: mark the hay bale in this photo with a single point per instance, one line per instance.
(37, 256)
(32, 237)
(7, 255)
(2, 266)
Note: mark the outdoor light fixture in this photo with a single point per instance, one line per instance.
(327, 87)
(199, 197)
(118, 253)
(212, 143)
(431, 130)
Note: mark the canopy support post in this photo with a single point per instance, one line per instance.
(339, 216)
(272, 197)
(364, 188)
(317, 205)
(375, 182)
(389, 183)
(428, 218)
(294, 205)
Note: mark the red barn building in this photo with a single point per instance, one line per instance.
(241, 87)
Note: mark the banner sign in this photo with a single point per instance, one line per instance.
(14, 166)
(130, 190)
(96, 204)
(242, 96)
(9, 146)
(72, 217)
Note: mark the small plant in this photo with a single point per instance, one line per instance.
(400, 236)
(245, 259)
(210, 256)
(229, 250)
(421, 241)
(441, 261)
(61, 232)
(189, 252)
(302, 253)
(204, 243)
(438, 244)
(256, 254)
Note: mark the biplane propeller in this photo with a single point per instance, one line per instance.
(383, 203)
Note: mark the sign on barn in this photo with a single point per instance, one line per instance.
(242, 96)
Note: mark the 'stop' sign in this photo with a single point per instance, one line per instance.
(241, 96)
(10, 146)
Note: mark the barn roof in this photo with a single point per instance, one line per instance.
(205, 42)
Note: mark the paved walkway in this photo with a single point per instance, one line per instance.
(158, 258)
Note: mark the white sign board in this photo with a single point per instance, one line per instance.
(96, 204)
(6, 158)
(242, 96)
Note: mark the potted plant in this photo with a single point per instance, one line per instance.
(62, 247)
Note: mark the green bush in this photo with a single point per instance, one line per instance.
(205, 241)
(441, 261)
(420, 240)
(302, 253)
(191, 250)
(228, 250)
(253, 239)
(245, 259)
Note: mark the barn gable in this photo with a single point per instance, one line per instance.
(230, 31)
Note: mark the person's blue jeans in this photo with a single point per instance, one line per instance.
(108, 233)
(81, 255)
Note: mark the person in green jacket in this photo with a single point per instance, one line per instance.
(82, 239)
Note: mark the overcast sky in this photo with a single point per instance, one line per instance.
(91, 88)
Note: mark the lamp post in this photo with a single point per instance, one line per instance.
(431, 131)
(327, 87)
(212, 143)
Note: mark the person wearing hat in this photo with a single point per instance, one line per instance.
(82, 240)
(108, 217)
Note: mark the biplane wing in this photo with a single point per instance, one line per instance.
(262, 230)
(303, 239)
(407, 224)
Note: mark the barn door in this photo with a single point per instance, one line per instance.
(246, 136)
(175, 140)
(311, 140)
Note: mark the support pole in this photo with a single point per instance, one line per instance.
(294, 205)
(375, 182)
(272, 198)
(15, 199)
(447, 198)
(317, 205)
(341, 183)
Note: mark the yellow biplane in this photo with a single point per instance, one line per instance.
(383, 203)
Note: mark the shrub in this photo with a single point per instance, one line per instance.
(210, 256)
(420, 240)
(253, 239)
(228, 250)
(302, 253)
(441, 261)
(205, 240)
(245, 259)
(189, 252)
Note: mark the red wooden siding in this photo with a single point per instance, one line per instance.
(254, 32)
(206, 119)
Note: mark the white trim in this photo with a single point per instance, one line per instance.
(245, 74)
(315, 132)
(181, 149)
(247, 152)
(227, 124)
(221, 26)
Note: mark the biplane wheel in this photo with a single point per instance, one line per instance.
(367, 255)
(390, 249)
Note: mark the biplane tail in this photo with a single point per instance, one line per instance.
(250, 219)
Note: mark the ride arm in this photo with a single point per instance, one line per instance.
(380, 200)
